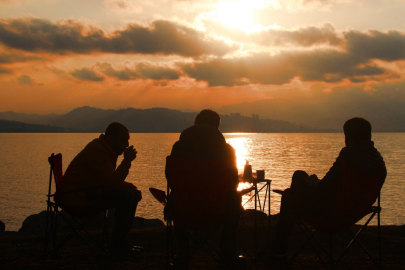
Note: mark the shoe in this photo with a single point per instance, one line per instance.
(271, 253)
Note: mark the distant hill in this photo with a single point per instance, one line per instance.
(328, 115)
(27, 118)
(155, 120)
(19, 127)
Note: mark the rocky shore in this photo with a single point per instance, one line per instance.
(24, 249)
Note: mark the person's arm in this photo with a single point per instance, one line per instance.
(327, 187)
(104, 171)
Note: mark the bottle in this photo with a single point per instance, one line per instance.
(247, 172)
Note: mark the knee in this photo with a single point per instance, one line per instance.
(137, 194)
(125, 196)
(298, 174)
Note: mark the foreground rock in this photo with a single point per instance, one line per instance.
(36, 224)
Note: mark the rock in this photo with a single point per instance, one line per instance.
(8, 233)
(36, 224)
(142, 223)
(2, 226)
(138, 223)
(250, 214)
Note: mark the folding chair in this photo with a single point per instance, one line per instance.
(356, 194)
(81, 217)
(200, 188)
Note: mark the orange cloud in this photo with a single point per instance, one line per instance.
(320, 65)
(161, 38)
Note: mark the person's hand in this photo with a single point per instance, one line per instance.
(130, 153)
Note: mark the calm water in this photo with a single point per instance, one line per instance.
(24, 170)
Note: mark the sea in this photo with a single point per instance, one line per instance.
(24, 168)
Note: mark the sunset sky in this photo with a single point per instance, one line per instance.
(56, 55)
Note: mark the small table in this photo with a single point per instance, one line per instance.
(260, 205)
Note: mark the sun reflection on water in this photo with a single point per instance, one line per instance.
(242, 146)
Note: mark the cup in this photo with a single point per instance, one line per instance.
(260, 174)
(247, 173)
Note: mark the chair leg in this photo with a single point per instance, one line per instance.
(105, 233)
(46, 230)
(169, 242)
(354, 239)
(379, 240)
(330, 251)
(310, 234)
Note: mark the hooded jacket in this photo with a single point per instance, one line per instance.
(92, 170)
(202, 142)
(363, 156)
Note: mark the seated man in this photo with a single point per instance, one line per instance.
(95, 169)
(204, 141)
(359, 153)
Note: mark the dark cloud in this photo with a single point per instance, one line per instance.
(124, 74)
(321, 65)
(25, 79)
(157, 73)
(4, 70)
(8, 58)
(86, 74)
(374, 44)
(140, 71)
(305, 36)
(162, 37)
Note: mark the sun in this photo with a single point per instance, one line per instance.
(235, 14)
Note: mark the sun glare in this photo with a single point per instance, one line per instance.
(235, 14)
(241, 146)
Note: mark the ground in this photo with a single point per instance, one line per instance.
(22, 251)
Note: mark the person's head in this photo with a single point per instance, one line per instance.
(357, 130)
(117, 137)
(208, 117)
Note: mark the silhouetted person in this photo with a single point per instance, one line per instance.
(2, 226)
(95, 168)
(359, 153)
(202, 141)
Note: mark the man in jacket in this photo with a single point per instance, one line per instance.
(359, 153)
(204, 141)
(94, 171)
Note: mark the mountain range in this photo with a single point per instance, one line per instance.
(267, 115)
(385, 116)
(155, 120)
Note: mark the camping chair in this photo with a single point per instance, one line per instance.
(200, 188)
(82, 216)
(356, 194)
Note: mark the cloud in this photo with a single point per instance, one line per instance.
(161, 38)
(124, 74)
(86, 74)
(157, 73)
(139, 71)
(123, 6)
(304, 36)
(8, 58)
(389, 46)
(296, 5)
(25, 80)
(4, 70)
(320, 65)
